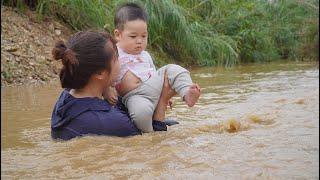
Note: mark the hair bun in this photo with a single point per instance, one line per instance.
(59, 50)
(70, 57)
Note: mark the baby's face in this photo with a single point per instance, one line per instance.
(134, 37)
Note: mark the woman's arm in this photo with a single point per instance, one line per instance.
(166, 94)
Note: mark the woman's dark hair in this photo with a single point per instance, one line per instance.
(128, 12)
(86, 53)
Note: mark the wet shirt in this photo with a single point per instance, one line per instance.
(141, 65)
(74, 117)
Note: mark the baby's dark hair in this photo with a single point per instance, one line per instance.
(128, 12)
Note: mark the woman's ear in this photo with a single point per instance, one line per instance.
(101, 75)
(117, 34)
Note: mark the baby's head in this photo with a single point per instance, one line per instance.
(131, 28)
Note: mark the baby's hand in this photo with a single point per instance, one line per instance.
(111, 95)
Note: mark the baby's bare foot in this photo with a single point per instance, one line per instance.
(192, 95)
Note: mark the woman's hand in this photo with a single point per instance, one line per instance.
(170, 103)
(167, 93)
(111, 95)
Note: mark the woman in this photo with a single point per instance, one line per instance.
(90, 65)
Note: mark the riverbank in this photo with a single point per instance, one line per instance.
(189, 34)
(205, 33)
(26, 44)
(26, 47)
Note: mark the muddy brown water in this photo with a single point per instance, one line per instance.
(257, 121)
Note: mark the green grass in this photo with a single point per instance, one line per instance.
(208, 32)
(79, 14)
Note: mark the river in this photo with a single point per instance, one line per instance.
(255, 121)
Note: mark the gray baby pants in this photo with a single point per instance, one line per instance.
(142, 101)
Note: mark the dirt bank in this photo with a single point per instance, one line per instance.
(26, 45)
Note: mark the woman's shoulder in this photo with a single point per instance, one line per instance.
(68, 108)
(113, 122)
(91, 116)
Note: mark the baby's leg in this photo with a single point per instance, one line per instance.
(180, 80)
(141, 111)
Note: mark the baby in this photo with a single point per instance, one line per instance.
(139, 83)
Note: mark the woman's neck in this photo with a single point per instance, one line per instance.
(87, 91)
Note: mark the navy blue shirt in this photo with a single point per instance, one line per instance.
(74, 117)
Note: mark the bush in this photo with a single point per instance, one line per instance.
(211, 32)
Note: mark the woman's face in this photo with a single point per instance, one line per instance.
(109, 77)
(115, 69)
